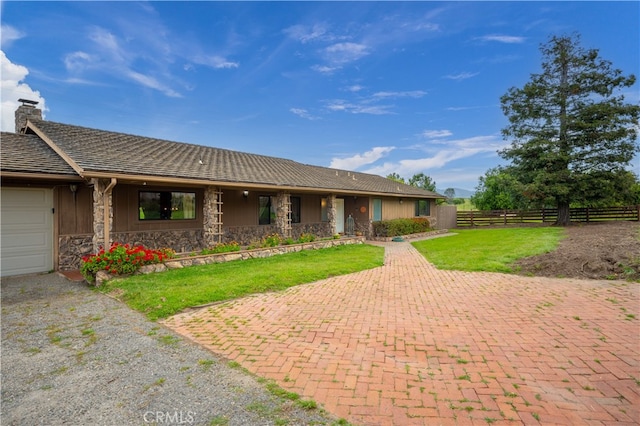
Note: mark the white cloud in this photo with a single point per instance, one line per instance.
(8, 35)
(354, 88)
(78, 62)
(152, 83)
(358, 108)
(13, 88)
(305, 34)
(455, 150)
(343, 53)
(436, 134)
(406, 94)
(358, 160)
(303, 113)
(215, 61)
(324, 69)
(503, 38)
(461, 76)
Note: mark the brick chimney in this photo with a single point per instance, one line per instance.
(26, 111)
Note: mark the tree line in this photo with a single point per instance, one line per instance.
(572, 137)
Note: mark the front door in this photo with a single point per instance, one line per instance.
(339, 216)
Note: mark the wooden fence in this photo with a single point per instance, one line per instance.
(509, 217)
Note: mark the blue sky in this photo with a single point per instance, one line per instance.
(381, 87)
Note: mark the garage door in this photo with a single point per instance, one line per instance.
(26, 230)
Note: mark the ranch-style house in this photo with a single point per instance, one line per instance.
(68, 190)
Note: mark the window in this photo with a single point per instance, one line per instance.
(324, 213)
(377, 209)
(422, 208)
(166, 205)
(295, 209)
(266, 212)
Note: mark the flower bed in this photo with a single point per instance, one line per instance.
(121, 259)
(186, 260)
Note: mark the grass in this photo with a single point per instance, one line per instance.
(490, 250)
(163, 294)
(466, 206)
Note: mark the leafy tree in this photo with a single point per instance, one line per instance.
(450, 193)
(497, 190)
(420, 180)
(569, 127)
(395, 177)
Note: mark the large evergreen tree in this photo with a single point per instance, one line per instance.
(569, 127)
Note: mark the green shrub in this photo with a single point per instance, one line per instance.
(222, 248)
(396, 227)
(273, 240)
(307, 238)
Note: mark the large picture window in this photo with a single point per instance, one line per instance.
(422, 208)
(166, 205)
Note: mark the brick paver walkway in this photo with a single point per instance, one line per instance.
(408, 344)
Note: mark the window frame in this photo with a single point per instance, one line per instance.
(269, 206)
(419, 210)
(296, 209)
(165, 201)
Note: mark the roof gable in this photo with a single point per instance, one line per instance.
(29, 154)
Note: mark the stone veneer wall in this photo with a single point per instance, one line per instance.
(319, 229)
(71, 250)
(247, 235)
(182, 241)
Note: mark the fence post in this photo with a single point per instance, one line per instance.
(505, 216)
(638, 211)
(472, 218)
(587, 214)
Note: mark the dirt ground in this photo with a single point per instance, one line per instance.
(609, 250)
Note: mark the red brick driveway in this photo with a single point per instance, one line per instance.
(408, 344)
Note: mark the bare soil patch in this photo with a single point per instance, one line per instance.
(609, 250)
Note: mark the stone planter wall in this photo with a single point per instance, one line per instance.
(182, 262)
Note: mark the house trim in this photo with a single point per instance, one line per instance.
(55, 147)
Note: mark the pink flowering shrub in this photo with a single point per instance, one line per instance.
(121, 259)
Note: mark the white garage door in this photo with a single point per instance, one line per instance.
(26, 219)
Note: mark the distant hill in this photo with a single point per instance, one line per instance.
(460, 193)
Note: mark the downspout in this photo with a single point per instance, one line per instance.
(106, 197)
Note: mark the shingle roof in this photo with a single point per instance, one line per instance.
(111, 152)
(29, 154)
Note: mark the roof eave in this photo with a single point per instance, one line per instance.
(146, 179)
(6, 174)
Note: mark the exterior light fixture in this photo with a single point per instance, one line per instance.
(401, 200)
(245, 193)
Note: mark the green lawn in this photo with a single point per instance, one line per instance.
(163, 294)
(491, 250)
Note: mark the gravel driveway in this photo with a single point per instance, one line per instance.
(73, 356)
